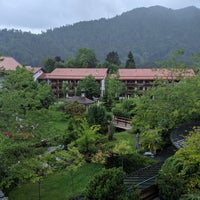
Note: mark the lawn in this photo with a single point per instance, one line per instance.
(120, 136)
(58, 186)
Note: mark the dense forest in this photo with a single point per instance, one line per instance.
(150, 33)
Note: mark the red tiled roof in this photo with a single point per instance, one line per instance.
(75, 73)
(9, 63)
(151, 74)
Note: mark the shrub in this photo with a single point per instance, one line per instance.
(97, 115)
(181, 171)
(190, 196)
(119, 112)
(171, 184)
(131, 162)
(108, 184)
(74, 109)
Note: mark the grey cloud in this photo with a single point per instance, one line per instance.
(44, 14)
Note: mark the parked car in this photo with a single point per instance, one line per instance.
(149, 154)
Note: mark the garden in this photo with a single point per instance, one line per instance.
(85, 146)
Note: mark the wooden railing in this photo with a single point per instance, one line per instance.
(122, 122)
(144, 180)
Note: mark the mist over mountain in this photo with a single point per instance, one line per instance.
(150, 33)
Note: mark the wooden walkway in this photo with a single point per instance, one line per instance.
(123, 123)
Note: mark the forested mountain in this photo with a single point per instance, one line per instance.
(150, 33)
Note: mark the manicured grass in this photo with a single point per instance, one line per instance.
(118, 137)
(58, 186)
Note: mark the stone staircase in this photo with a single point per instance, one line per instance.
(144, 180)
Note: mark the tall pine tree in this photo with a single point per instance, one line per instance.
(113, 58)
(130, 63)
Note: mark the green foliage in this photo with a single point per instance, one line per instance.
(111, 131)
(124, 109)
(181, 171)
(152, 141)
(122, 148)
(119, 112)
(12, 153)
(120, 136)
(87, 141)
(22, 146)
(113, 89)
(58, 185)
(112, 68)
(164, 108)
(41, 123)
(19, 151)
(49, 65)
(195, 60)
(113, 58)
(87, 137)
(106, 185)
(72, 129)
(134, 195)
(74, 109)
(128, 104)
(20, 94)
(170, 178)
(26, 120)
(71, 62)
(86, 58)
(131, 162)
(33, 169)
(65, 88)
(19, 79)
(70, 160)
(91, 87)
(130, 63)
(96, 115)
(190, 196)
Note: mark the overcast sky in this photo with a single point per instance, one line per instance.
(37, 15)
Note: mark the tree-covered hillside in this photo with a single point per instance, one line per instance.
(150, 33)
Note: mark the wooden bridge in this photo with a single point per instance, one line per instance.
(121, 122)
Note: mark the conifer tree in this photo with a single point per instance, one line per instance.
(130, 63)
